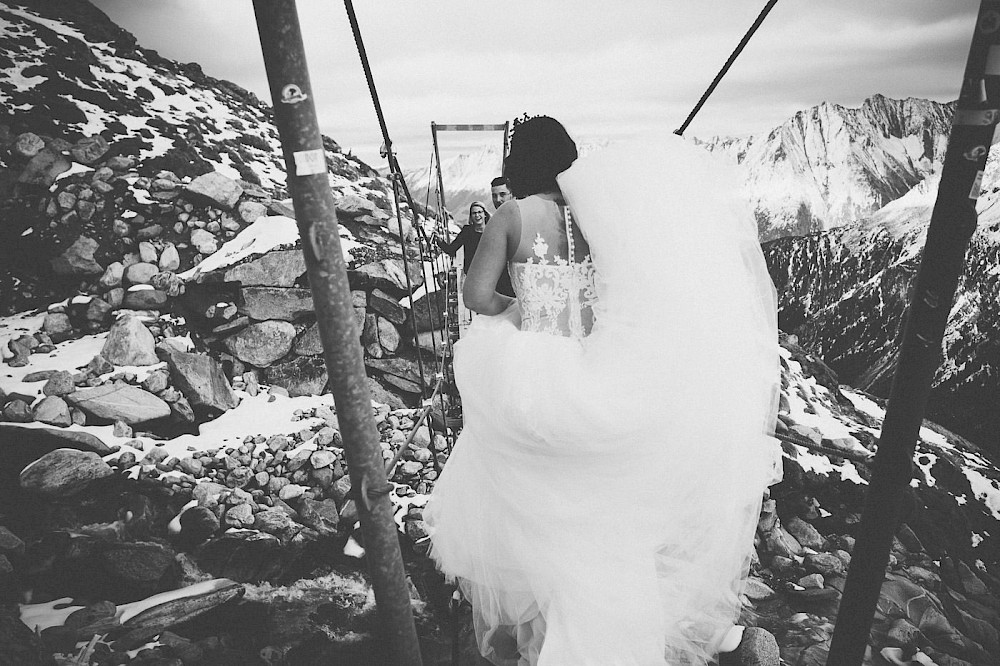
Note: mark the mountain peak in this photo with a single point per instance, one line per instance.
(829, 164)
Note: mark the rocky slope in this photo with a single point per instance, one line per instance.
(843, 292)
(172, 488)
(118, 537)
(70, 75)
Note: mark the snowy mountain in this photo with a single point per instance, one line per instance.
(467, 177)
(824, 167)
(844, 291)
(68, 74)
(830, 165)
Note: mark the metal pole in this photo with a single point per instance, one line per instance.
(952, 225)
(437, 156)
(305, 161)
(725, 68)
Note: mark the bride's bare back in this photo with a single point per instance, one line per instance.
(551, 271)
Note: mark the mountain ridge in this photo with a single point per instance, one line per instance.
(829, 165)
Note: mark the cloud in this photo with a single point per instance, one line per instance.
(605, 69)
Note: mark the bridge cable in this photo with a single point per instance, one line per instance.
(725, 68)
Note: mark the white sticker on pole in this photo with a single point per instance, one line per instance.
(977, 185)
(309, 162)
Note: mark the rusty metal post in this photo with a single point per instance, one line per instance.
(952, 225)
(305, 161)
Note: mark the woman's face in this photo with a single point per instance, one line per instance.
(477, 217)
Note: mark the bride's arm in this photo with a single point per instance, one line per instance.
(479, 292)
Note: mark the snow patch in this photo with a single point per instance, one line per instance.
(984, 489)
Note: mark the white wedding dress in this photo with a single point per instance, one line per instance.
(600, 504)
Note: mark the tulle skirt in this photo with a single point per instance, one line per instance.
(600, 504)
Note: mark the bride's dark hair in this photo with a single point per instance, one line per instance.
(540, 149)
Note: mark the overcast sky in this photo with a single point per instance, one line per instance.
(606, 69)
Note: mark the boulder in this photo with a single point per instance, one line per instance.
(287, 304)
(276, 522)
(98, 311)
(59, 383)
(398, 368)
(244, 556)
(63, 472)
(16, 411)
(198, 524)
(249, 211)
(322, 516)
(309, 343)
(353, 206)
(380, 394)
(78, 259)
(200, 378)
(168, 283)
(825, 564)
(44, 168)
(147, 252)
(137, 563)
(204, 241)
(144, 299)
(89, 150)
(281, 268)
(20, 353)
(429, 311)
(130, 343)
(780, 542)
(387, 306)
(119, 402)
(113, 275)
(305, 375)
(141, 273)
(322, 458)
(169, 260)
(217, 188)
(263, 343)
(57, 326)
(804, 533)
(35, 442)
(27, 145)
(388, 275)
(53, 410)
(388, 335)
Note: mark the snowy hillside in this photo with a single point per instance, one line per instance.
(843, 292)
(68, 74)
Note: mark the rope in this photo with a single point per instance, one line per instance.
(406, 272)
(393, 162)
(398, 180)
(725, 68)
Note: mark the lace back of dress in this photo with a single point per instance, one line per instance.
(556, 294)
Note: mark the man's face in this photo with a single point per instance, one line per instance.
(500, 194)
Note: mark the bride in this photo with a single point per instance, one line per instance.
(600, 504)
